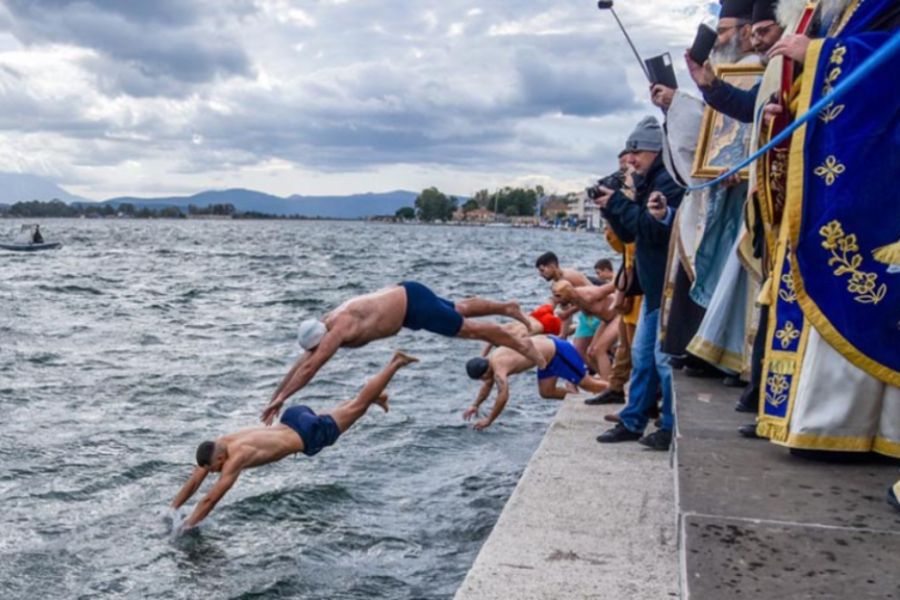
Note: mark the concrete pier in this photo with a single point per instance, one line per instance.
(585, 521)
(757, 522)
(736, 518)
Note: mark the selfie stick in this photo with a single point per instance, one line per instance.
(607, 4)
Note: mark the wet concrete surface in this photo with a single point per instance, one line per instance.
(757, 522)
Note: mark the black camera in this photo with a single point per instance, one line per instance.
(614, 182)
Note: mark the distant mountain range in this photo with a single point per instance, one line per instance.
(20, 187)
(354, 206)
(15, 187)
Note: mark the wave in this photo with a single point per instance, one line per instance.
(70, 289)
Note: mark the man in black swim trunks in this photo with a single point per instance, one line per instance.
(563, 361)
(300, 430)
(382, 314)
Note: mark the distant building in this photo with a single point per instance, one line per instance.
(553, 206)
(585, 211)
(478, 215)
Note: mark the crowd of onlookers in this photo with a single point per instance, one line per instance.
(709, 276)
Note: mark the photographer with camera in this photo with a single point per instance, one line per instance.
(646, 221)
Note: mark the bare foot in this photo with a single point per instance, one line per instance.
(512, 309)
(382, 401)
(403, 359)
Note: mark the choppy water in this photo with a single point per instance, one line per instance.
(137, 340)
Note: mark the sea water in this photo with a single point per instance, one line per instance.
(122, 351)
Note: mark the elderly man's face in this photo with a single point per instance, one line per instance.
(641, 160)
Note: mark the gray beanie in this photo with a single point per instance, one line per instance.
(646, 136)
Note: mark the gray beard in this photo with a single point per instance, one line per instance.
(728, 54)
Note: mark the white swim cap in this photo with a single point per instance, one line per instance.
(310, 333)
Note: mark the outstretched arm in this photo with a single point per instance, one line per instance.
(190, 486)
(483, 393)
(300, 374)
(499, 402)
(205, 506)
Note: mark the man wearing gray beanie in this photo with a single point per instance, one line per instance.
(647, 221)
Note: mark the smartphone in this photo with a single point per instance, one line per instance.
(703, 43)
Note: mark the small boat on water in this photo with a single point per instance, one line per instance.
(30, 240)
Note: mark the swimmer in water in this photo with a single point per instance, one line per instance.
(563, 361)
(300, 430)
(382, 314)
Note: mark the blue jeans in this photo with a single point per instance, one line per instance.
(649, 369)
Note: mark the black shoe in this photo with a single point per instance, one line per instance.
(677, 362)
(892, 498)
(745, 408)
(619, 433)
(660, 439)
(749, 431)
(607, 397)
(701, 372)
(735, 382)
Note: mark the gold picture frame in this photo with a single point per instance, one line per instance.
(723, 141)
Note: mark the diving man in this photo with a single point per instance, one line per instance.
(300, 430)
(562, 359)
(382, 314)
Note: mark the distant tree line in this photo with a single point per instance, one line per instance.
(59, 209)
(433, 205)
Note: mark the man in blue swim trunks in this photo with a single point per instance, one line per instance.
(563, 361)
(300, 430)
(382, 314)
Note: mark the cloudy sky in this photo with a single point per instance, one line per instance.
(113, 97)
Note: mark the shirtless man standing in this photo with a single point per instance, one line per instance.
(563, 361)
(300, 430)
(382, 314)
(548, 267)
(594, 301)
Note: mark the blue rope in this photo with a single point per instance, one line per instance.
(873, 62)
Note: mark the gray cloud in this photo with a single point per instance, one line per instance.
(219, 85)
(172, 44)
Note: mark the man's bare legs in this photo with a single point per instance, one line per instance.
(346, 413)
(595, 385)
(601, 345)
(496, 335)
(548, 389)
(481, 307)
(582, 344)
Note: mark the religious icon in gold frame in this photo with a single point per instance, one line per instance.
(723, 141)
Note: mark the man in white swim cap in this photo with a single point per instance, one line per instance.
(382, 314)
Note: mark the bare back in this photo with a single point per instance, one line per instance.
(369, 317)
(596, 300)
(576, 278)
(257, 446)
(505, 360)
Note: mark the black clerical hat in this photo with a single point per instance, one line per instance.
(741, 9)
(764, 10)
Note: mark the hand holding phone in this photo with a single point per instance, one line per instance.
(703, 44)
(657, 206)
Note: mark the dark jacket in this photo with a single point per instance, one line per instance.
(732, 101)
(631, 222)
